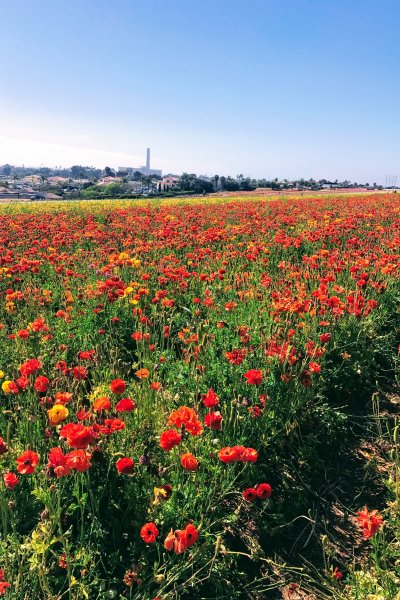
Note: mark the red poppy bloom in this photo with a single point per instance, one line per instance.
(125, 405)
(210, 399)
(58, 463)
(27, 462)
(369, 521)
(3, 447)
(189, 462)
(118, 386)
(254, 377)
(213, 420)
(30, 366)
(169, 439)
(78, 435)
(250, 494)
(149, 533)
(41, 384)
(125, 465)
(78, 460)
(10, 480)
(264, 491)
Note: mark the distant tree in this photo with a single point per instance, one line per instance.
(108, 172)
(7, 170)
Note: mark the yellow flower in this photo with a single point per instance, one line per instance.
(5, 386)
(1, 374)
(57, 414)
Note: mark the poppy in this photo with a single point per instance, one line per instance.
(149, 533)
(27, 462)
(189, 462)
(169, 439)
(125, 465)
(118, 386)
(253, 377)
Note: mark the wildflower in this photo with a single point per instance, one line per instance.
(264, 491)
(169, 439)
(3, 447)
(57, 414)
(336, 574)
(142, 373)
(213, 420)
(189, 462)
(30, 366)
(41, 384)
(125, 465)
(10, 480)
(118, 386)
(27, 462)
(253, 377)
(102, 404)
(79, 373)
(125, 405)
(149, 533)
(250, 494)
(78, 460)
(210, 399)
(9, 387)
(369, 521)
(57, 464)
(186, 417)
(78, 435)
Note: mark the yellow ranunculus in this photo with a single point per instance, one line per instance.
(57, 414)
(5, 386)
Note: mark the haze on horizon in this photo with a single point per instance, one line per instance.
(267, 88)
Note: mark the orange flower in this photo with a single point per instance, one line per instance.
(142, 373)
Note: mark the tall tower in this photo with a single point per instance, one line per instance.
(148, 159)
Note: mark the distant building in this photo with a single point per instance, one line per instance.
(144, 170)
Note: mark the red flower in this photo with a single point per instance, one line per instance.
(27, 462)
(369, 521)
(118, 386)
(4, 585)
(228, 455)
(79, 373)
(30, 366)
(41, 384)
(254, 377)
(314, 367)
(3, 447)
(210, 399)
(336, 574)
(78, 435)
(57, 463)
(325, 337)
(213, 420)
(10, 480)
(187, 417)
(125, 405)
(169, 439)
(264, 491)
(250, 494)
(78, 460)
(184, 539)
(149, 533)
(189, 462)
(125, 465)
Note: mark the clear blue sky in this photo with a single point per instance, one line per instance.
(283, 88)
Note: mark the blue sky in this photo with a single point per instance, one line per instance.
(274, 88)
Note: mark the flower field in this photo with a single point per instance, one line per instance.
(175, 382)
